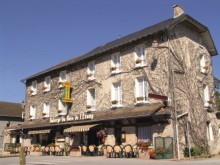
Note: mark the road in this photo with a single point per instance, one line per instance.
(66, 160)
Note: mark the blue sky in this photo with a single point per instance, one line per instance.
(37, 34)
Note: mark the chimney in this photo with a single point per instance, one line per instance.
(178, 11)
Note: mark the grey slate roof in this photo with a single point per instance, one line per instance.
(128, 39)
(8, 109)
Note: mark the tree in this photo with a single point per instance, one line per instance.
(217, 92)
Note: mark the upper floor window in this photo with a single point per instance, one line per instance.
(116, 95)
(32, 112)
(46, 109)
(206, 96)
(210, 135)
(63, 108)
(47, 84)
(91, 70)
(91, 104)
(141, 90)
(115, 63)
(34, 87)
(203, 66)
(140, 56)
(62, 77)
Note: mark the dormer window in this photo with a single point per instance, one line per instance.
(47, 84)
(34, 87)
(115, 63)
(140, 56)
(91, 70)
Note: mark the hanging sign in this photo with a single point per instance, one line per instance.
(67, 92)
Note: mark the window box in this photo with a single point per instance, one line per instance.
(44, 113)
(113, 68)
(138, 61)
(206, 67)
(88, 106)
(141, 98)
(114, 101)
(59, 110)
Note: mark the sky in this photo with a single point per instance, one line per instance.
(37, 34)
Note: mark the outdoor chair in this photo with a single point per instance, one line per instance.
(100, 150)
(109, 150)
(118, 151)
(47, 150)
(135, 151)
(92, 150)
(128, 151)
(57, 151)
(42, 148)
(84, 150)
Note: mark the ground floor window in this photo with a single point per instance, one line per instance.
(144, 133)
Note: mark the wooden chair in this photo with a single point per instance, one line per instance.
(109, 150)
(118, 151)
(47, 150)
(42, 148)
(135, 151)
(92, 150)
(100, 149)
(128, 151)
(84, 150)
(57, 151)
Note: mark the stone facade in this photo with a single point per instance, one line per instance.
(172, 68)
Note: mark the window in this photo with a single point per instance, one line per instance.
(46, 110)
(63, 108)
(206, 96)
(203, 66)
(141, 90)
(34, 87)
(91, 99)
(145, 133)
(32, 112)
(91, 70)
(116, 94)
(62, 77)
(115, 63)
(210, 135)
(47, 84)
(140, 56)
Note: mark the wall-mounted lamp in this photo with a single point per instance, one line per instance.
(123, 137)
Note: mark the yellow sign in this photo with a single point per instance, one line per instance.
(67, 92)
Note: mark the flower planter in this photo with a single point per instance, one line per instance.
(76, 153)
(140, 98)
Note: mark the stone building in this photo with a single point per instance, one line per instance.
(10, 114)
(147, 84)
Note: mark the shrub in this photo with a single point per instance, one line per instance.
(195, 151)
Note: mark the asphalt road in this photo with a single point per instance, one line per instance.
(66, 160)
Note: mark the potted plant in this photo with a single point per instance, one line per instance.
(138, 61)
(60, 110)
(89, 74)
(88, 106)
(206, 67)
(113, 68)
(140, 98)
(102, 135)
(114, 101)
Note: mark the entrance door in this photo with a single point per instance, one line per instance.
(92, 138)
(118, 136)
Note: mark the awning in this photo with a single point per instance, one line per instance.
(39, 131)
(81, 128)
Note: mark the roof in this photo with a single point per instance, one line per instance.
(99, 116)
(162, 26)
(8, 109)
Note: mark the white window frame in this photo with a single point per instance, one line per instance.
(141, 90)
(206, 96)
(34, 87)
(203, 66)
(62, 108)
(47, 84)
(62, 78)
(116, 95)
(46, 109)
(91, 70)
(33, 111)
(115, 63)
(91, 99)
(210, 135)
(140, 59)
(145, 133)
